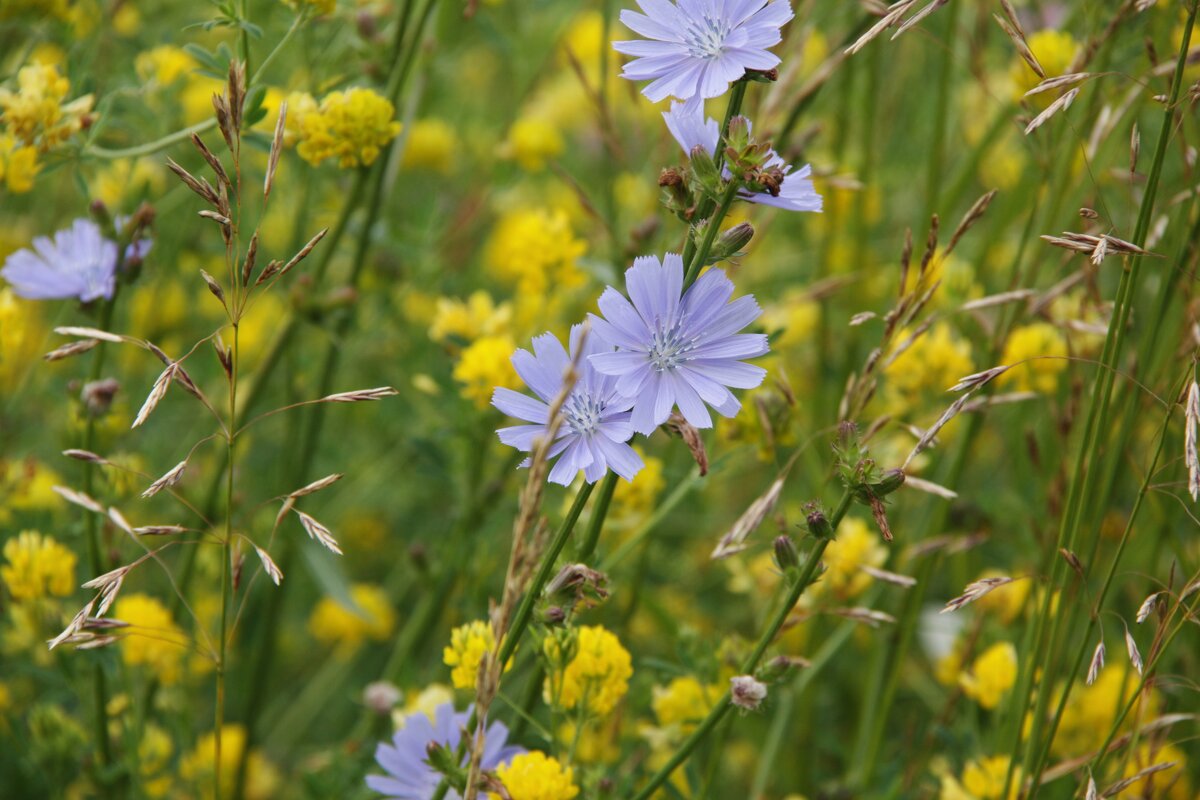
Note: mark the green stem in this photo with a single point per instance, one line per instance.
(705, 207)
(226, 567)
(751, 664)
(591, 536)
(711, 230)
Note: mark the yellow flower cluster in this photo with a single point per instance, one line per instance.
(35, 119)
(198, 766)
(153, 639)
(535, 251)
(352, 126)
(1043, 343)
(484, 365)
(1091, 710)
(318, 7)
(469, 319)
(468, 643)
(981, 780)
(632, 499)
(597, 677)
(164, 64)
(683, 703)
(334, 624)
(532, 141)
(37, 567)
(154, 761)
(991, 676)
(536, 776)
(856, 546)
(934, 363)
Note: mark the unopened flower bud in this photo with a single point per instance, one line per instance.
(889, 482)
(554, 615)
(818, 524)
(746, 692)
(778, 668)
(731, 242)
(670, 177)
(381, 697)
(786, 557)
(704, 175)
(443, 759)
(99, 212)
(738, 135)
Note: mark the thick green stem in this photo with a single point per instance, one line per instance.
(712, 228)
(591, 536)
(807, 574)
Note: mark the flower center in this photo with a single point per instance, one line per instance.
(668, 347)
(705, 37)
(583, 412)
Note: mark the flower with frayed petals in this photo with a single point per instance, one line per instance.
(594, 434)
(692, 129)
(409, 776)
(696, 48)
(675, 347)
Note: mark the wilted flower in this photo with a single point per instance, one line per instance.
(675, 349)
(594, 434)
(696, 49)
(692, 129)
(746, 692)
(409, 776)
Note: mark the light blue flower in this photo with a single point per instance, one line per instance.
(677, 348)
(696, 48)
(405, 760)
(596, 427)
(79, 263)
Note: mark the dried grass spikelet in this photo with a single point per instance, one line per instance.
(1097, 247)
(976, 590)
(867, 616)
(1060, 82)
(1010, 23)
(169, 479)
(893, 578)
(71, 349)
(276, 151)
(214, 163)
(359, 395)
(157, 392)
(1191, 451)
(319, 532)
(889, 19)
(1147, 608)
(691, 438)
(272, 569)
(91, 333)
(1135, 655)
(159, 530)
(1097, 663)
(78, 498)
(316, 485)
(734, 541)
(1061, 104)
(86, 455)
(74, 626)
(918, 17)
(929, 487)
(1125, 783)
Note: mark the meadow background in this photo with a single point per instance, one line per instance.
(483, 172)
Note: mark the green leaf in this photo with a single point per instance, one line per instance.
(327, 571)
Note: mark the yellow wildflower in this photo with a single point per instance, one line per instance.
(431, 144)
(584, 37)
(477, 316)
(535, 250)
(37, 567)
(536, 776)
(532, 141)
(1171, 784)
(165, 64)
(855, 546)
(29, 486)
(1091, 710)
(992, 675)
(598, 675)
(154, 761)
(796, 316)
(468, 643)
(198, 766)
(153, 639)
(1055, 50)
(595, 744)
(22, 336)
(196, 97)
(352, 126)
(125, 178)
(981, 780)
(35, 113)
(934, 363)
(1035, 341)
(683, 703)
(427, 701)
(335, 624)
(299, 106)
(18, 164)
(485, 365)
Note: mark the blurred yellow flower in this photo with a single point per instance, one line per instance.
(468, 643)
(35, 114)
(18, 164)
(424, 702)
(595, 744)
(484, 365)
(153, 639)
(352, 126)
(469, 319)
(196, 97)
(534, 249)
(855, 546)
(531, 142)
(36, 567)
(795, 317)
(991, 676)
(164, 64)
(1041, 342)
(636, 498)
(154, 761)
(683, 703)
(431, 144)
(198, 766)
(935, 362)
(981, 780)
(536, 776)
(125, 178)
(332, 623)
(597, 677)
(22, 336)
(318, 7)
(1170, 784)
